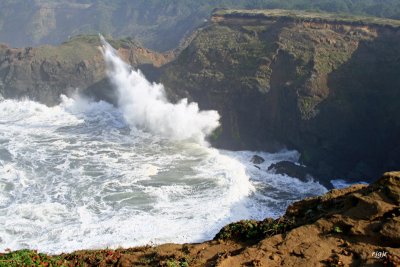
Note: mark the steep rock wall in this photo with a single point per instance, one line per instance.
(326, 87)
(45, 72)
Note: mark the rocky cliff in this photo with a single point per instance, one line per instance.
(356, 226)
(325, 85)
(45, 72)
(158, 24)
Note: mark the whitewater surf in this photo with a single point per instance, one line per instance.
(86, 174)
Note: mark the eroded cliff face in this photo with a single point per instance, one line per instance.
(327, 88)
(46, 72)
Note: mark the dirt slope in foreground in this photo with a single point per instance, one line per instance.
(355, 226)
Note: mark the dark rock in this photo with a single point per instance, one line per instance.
(257, 159)
(390, 230)
(291, 169)
(44, 73)
(276, 86)
(391, 182)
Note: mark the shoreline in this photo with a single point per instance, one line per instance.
(332, 229)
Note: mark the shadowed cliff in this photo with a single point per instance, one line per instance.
(325, 86)
(46, 72)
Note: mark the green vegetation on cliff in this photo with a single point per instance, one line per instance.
(307, 16)
(326, 87)
(45, 72)
(341, 228)
(158, 24)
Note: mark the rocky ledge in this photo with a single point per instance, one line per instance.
(301, 16)
(45, 72)
(355, 226)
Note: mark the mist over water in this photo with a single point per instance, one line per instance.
(145, 105)
(86, 174)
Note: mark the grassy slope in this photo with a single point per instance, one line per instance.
(158, 24)
(308, 16)
(307, 85)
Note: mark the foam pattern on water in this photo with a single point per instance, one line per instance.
(77, 176)
(145, 104)
(84, 175)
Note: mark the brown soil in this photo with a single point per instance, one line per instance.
(355, 226)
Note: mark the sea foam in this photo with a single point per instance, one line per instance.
(86, 174)
(145, 105)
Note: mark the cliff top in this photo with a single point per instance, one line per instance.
(355, 226)
(304, 16)
(86, 47)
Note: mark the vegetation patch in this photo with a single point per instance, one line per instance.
(307, 16)
(25, 258)
(252, 230)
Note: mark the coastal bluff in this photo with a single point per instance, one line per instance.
(354, 226)
(323, 84)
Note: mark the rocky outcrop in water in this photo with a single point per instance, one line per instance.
(324, 85)
(291, 169)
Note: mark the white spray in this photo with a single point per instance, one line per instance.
(145, 105)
